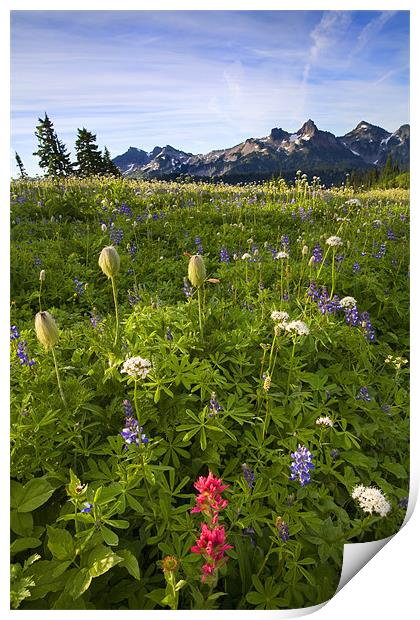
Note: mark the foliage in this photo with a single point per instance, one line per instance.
(229, 389)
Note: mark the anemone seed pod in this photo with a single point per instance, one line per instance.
(109, 261)
(46, 329)
(196, 270)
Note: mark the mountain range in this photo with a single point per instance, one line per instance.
(309, 149)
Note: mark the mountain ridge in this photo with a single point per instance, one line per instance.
(279, 153)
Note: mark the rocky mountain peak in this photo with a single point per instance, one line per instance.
(308, 129)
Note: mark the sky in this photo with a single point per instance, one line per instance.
(203, 80)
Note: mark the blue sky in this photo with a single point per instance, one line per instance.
(203, 80)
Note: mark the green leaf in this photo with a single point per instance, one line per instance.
(21, 523)
(129, 561)
(109, 536)
(203, 439)
(24, 543)
(255, 598)
(60, 543)
(35, 493)
(396, 468)
(101, 559)
(78, 582)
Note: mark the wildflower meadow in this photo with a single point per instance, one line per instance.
(209, 390)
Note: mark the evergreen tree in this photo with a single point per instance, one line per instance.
(108, 166)
(89, 158)
(21, 167)
(52, 153)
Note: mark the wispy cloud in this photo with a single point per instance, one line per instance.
(203, 79)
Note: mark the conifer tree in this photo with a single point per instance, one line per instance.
(52, 153)
(108, 166)
(20, 165)
(89, 158)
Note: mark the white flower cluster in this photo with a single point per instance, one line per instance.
(348, 302)
(279, 316)
(297, 327)
(282, 255)
(326, 421)
(136, 367)
(371, 500)
(334, 241)
(246, 256)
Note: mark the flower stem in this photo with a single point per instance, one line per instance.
(200, 319)
(290, 369)
(58, 378)
(265, 559)
(114, 292)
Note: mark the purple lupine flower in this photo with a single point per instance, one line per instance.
(403, 503)
(386, 408)
(125, 210)
(248, 475)
(391, 235)
(356, 267)
(87, 507)
(327, 305)
(283, 529)
(364, 394)
(95, 319)
(116, 235)
(132, 433)
(155, 216)
(317, 253)
(381, 252)
(224, 255)
(313, 291)
(79, 287)
(37, 262)
(249, 531)
(132, 249)
(335, 453)
(128, 408)
(22, 354)
(168, 334)
(352, 316)
(301, 465)
(14, 333)
(133, 297)
(285, 244)
(366, 325)
(187, 288)
(215, 407)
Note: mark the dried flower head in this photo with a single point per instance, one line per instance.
(46, 329)
(279, 316)
(109, 261)
(196, 270)
(169, 564)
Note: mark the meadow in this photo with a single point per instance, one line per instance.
(205, 418)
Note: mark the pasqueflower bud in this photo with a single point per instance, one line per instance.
(109, 261)
(311, 261)
(196, 270)
(46, 329)
(42, 275)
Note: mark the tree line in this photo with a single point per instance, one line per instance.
(54, 157)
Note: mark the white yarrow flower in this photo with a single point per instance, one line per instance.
(334, 241)
(348, 302)
(297, 327)
(136, 367)
(279, 316)
(325, 421)
(371, 500)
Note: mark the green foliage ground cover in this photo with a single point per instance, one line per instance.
(93, 518)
